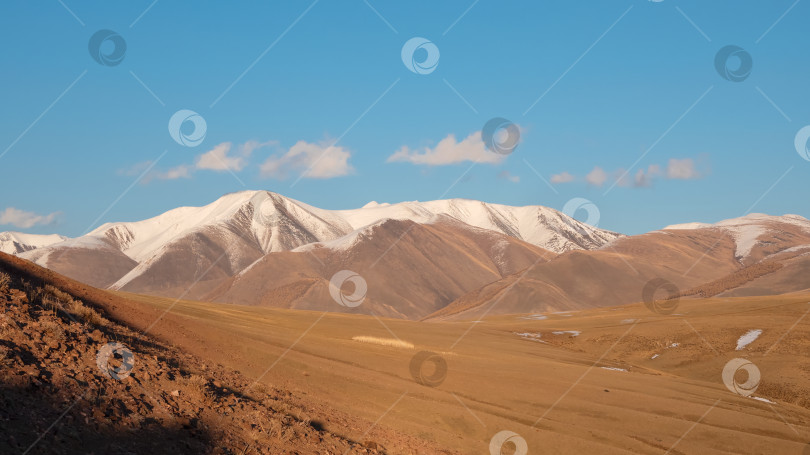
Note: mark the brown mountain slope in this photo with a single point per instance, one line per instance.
(411, 269)
(56, 396)
(193, 265)
(99, 266)
(618, 273)
(793, 276)
(202, 246)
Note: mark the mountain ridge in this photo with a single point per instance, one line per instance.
(422, 259)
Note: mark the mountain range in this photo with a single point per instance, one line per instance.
(441, 259)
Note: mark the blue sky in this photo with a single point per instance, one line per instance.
(597, 89)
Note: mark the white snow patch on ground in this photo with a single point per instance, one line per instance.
(531, 336)
(654, 356)
(628, 321)
(748, 229)
(746, 238)
(613, 369)
(534, 317)
(673, 345)
(765, 400)
(749, 337)
(795, 248)
(573, 333)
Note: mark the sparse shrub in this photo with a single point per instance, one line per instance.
(52, 303)
(5, 282)
(88, 315)
(58, 293)
(733, 280)
(34, 293)
(53, 329)
(197, 383)
(785, 392)
(260, 388)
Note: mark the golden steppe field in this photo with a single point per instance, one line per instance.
(612, 380)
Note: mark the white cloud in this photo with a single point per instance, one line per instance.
(676, 169)
(180, 172)
(217, 159)
(508, 176)
(642, 179)
(683, 169)
(22, 219)
(597, 176)
(449, 151)
(564, 177)
(316, 161)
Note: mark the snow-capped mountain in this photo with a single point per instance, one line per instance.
(278, 223)
(756, 232)
(225, 237)
(752, 255)
(538, 225)
(19, 242)
(258, 247)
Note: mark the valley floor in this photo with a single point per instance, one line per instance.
(611, 380)
(608, 380)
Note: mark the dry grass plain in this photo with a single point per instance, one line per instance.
(594, 387)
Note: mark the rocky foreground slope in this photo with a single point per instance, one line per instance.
(74, 381)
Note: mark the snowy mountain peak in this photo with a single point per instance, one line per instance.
(19, 242)
(748, 230)
(749, 219)
(249, 224)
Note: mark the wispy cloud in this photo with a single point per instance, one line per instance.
(597, 176)
(221, 158)
(23, 219)
(448, 151)
(315, 161)
(682, 169)
(183, 171)
(676, 169)
(506, 175)
(563, 177)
